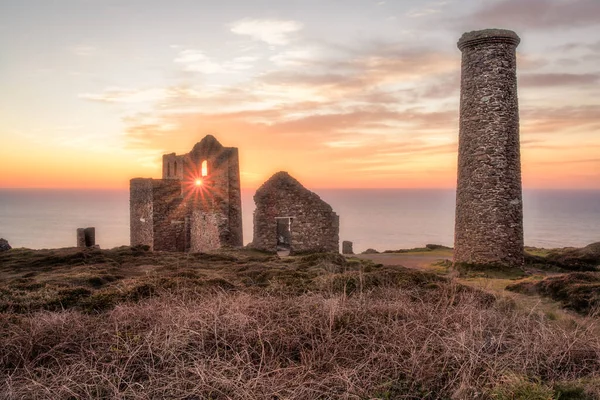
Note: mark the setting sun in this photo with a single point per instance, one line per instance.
(198, 182)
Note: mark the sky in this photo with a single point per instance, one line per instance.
(339, 93)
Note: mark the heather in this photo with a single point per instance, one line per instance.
(246, 325)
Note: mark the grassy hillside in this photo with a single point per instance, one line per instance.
(131, 324)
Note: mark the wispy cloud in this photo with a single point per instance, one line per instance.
(540, 14)
(193, 60)
(83, 50)
(197, 61)
(426, 9)
(294, 57)
(122, 95)
(549, 120)
(271, 31)
(365, 112)
(558, 79)
(357, 100)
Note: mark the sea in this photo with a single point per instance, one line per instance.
(381, 219)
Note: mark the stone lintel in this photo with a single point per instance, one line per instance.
(474, 38)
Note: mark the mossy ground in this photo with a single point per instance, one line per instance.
(129, 323)
(546, 281)
(95, 280)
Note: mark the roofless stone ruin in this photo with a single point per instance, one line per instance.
(195, 207)
(290, 218)
(489, 208)
(86, 237)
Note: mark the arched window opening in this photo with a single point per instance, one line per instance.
(204, 168)
(168, 169)
(175, 168)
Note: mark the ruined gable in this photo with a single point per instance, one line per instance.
(195, 207)
(290, 215)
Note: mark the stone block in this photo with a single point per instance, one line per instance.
(80, 237)
(90, 236)
(347, 247)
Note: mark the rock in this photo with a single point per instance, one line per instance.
(592, 250)
(436, 247)
(370, 251)
(577, 259)
(4, 246)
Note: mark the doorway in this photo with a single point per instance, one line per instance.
(284, 235)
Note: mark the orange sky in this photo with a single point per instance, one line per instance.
(368, 102)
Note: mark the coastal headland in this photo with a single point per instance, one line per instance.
(131, 323)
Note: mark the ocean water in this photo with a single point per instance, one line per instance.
(383, 219)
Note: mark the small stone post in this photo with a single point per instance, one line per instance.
(90, 237)
(80, 237)
(347, 247)
(489, 209)
(86, 237)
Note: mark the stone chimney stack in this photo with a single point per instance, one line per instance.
(489, 208)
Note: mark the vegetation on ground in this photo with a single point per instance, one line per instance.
(427, 248)
(578, 291)
(132, 324)
(566, 259)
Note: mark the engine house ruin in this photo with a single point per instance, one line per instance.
(291, 219)
(195, 207)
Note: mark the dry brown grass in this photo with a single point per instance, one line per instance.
(308, 328)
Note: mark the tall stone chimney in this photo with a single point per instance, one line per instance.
(489, 208)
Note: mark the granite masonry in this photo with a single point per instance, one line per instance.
(489, 209)
(86, 237)
(347, 247)
(195, 207)
(290, 216)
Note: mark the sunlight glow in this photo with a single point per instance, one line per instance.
(198, 182)
(204, 168)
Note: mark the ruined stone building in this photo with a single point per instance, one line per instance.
(195, 207)
(289, 216)
(489, 208)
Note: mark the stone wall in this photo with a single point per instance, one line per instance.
(164, 212)
(235, 200)
(173, 166)
(220, 192)
(489, 210)
(314, 224)
(206, 228)
(141, 222)
(169, 216)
